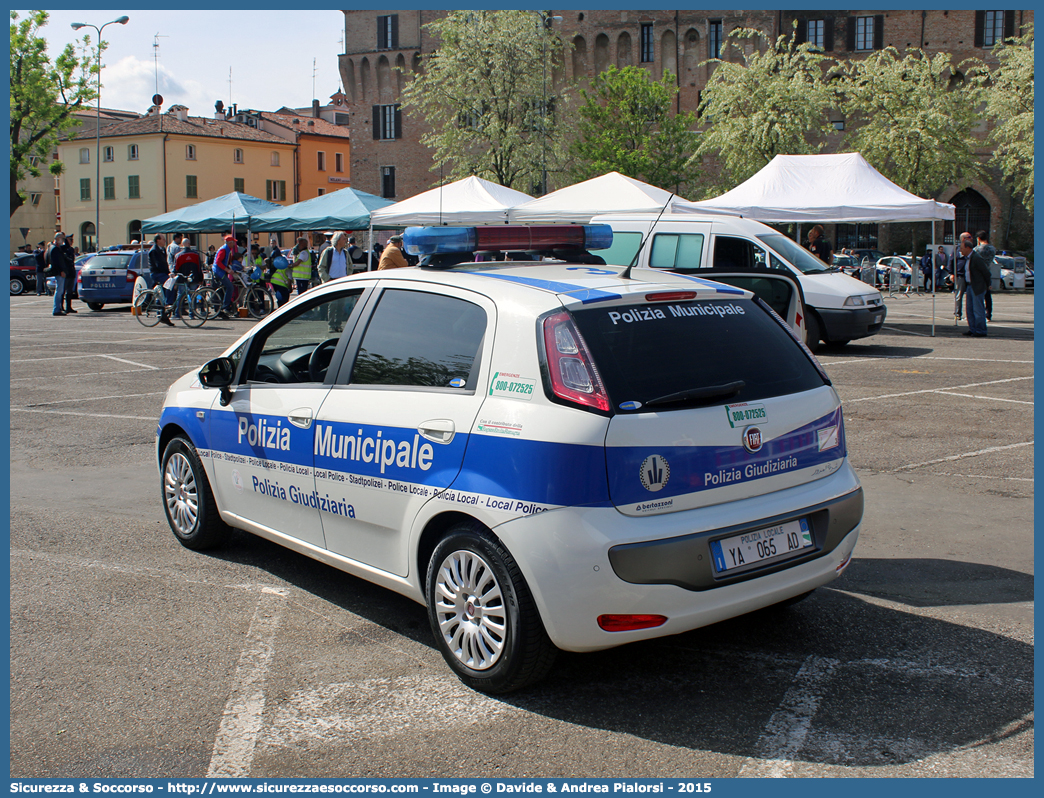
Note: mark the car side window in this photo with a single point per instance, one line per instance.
(682, 251)
(421, 339)
(299, 348)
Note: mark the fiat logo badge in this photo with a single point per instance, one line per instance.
(752, 439)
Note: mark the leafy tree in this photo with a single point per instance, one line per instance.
(626, 125)
(483, 94)
(44, 96)
(1009, 101)
(773, 100)
(912, 116)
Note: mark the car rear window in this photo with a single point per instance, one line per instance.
(649, 351)
(109, 261)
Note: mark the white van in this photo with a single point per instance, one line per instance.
(839, 308)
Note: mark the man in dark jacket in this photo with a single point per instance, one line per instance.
(159, 271)
(41, 263)
(56, 263)
(65, 258)
(977, 282)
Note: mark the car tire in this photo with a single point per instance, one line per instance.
(813, 330)
(187, 498)
(95, 305)
(17, 286)
(482, 613)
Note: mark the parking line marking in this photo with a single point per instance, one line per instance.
(85, 415)
(863, 359)
(787, 729)
(936, 390)
(241, 722)
(909, 332)
(953, 457)
(129, 362)
(992, 398)
(103, 398)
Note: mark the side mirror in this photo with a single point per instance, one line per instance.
(219, 373)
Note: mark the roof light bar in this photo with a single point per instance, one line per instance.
(502, 238)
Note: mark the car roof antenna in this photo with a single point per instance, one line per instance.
(627, 272)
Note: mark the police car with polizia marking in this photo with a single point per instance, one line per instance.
(547, 454)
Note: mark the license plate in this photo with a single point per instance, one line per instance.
(761, 545)
(102, 282)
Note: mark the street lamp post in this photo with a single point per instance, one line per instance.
(97, 131)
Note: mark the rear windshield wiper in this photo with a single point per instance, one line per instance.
(702, 395)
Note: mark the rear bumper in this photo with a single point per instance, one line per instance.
(107, 295)
(844, 325)
(567, 557)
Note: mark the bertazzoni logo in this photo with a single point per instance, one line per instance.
(654, 473)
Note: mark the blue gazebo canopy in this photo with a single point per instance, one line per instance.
(345, 209)
(210, 216)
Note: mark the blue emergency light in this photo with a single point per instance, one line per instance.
(505, 238)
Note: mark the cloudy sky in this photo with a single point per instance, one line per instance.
(270, 54)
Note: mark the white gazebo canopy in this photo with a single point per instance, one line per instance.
(469, 201)
(821, 188)
(576, 204)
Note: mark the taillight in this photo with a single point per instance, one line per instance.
(626, 623)
(574, 376)
(131, 276)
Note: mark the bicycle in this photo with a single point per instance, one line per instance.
(190, 305)
(256, 298)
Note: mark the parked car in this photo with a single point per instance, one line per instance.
(548, 455)
(873, 255)
(109, 277)
(905, 265)
(23, 273)
(1008, 272)
(52, 283)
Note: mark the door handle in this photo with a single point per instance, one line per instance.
(439, 430)
(301, 417)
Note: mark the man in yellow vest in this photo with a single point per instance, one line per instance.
(280, 278)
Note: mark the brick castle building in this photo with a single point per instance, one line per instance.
(382, 48)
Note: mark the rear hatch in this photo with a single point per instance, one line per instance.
(713, 400)
(107, 272)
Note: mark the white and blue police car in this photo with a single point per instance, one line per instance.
(547, 454)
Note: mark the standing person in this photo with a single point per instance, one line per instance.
(926, 269)
(279, 276)
(355, 255)
(957, 269)
(56, 263)
(41, 263)
(333, 262)
(173, 250)
(210, 255)
(940, 267)
(819, 246)
(69, 254)
(159, 271)
(977, 282)
(392, 257)
(222, 268)
(987, 251)
(301, 269)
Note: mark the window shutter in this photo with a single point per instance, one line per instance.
(382, 41)
(850, 34)
(980, 28)
(1009, 24)
(376, 122)
(394, 43)
(879, 32)
(801, 34)
(828, 34)
(398, 121)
